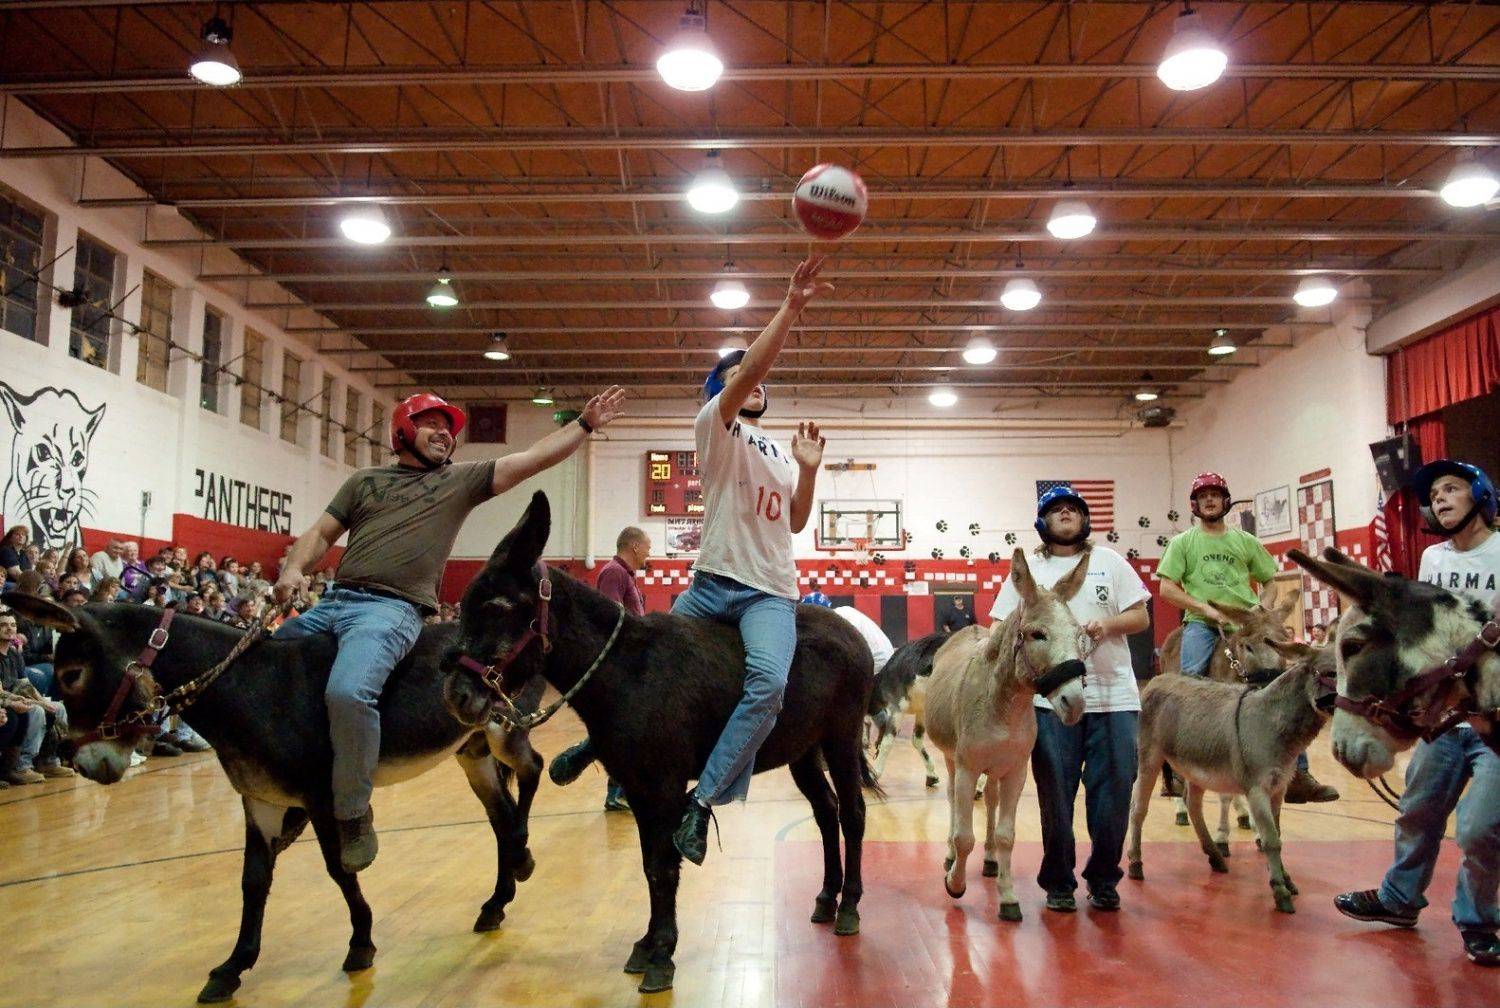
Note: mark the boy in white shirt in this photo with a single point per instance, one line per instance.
(880, 645)
(1101, 749)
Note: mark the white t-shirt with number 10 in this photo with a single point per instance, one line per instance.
(1111, 587)
(748, 480)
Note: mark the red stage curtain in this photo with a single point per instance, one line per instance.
(1461, 362)
(1403, 519)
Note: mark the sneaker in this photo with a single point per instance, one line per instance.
(570, 763)
(1304, 788)
(137, 758)
(1366, 905)
(57, 772)
(165, 748)
(691, 838)
(1482, 947)
(188, 740)
(27, 776)
(1104, 898)
(1061, 902)
(357, 841)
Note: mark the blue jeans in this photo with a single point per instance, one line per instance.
(1100, 751)
(42, 677)
(374, 634)
(1198, 643)
(1435, 779)
(768, 626)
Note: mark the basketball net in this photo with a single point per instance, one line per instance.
(861, 549)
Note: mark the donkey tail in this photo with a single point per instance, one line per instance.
(867, 778)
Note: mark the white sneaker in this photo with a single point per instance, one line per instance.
(136, 759)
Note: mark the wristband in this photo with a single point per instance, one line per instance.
(584, 424)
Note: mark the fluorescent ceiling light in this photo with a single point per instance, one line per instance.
(1021, 294)
(943, 397)
(1470, 183)
(730, 295)
(979, 351)
(366, 225)
(1315, 292)
(499, 350)
(1071, 219)
(690, 62)
(1193, 58)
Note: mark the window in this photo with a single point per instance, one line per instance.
(94, 278)
(351, 428)
(213, 357)
(291, 396)
(330, 446)
(154, 335)
(377, 430)
(252, 371)
(20, 258)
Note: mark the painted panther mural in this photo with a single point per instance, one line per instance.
(49, 461)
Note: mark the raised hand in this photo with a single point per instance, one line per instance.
(807, 446)
(805, 285)
(604, 407)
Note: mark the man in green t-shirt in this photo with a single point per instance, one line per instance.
(1211, 565)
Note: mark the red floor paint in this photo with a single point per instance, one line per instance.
(1184, 937)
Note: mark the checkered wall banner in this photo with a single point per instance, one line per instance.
(1315, 518)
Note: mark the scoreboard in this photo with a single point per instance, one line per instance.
(673, 489)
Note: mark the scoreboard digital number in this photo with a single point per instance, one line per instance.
(673, 489)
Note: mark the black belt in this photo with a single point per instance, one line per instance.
(425, 610)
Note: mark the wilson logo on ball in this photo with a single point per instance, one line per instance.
(830, 202)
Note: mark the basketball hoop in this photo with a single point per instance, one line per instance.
(860, 548)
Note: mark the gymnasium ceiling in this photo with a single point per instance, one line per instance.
(532, 149)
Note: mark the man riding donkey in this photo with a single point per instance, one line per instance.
(756, 495)
(402, 521)
(1459, 502)
(1100, 749)
(1213, 564)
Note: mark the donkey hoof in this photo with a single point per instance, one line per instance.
(219, 988)
(1222, 847)
(824, 907)
(524, 867)
(1291, 887)
(1283, 899)
(489, 919)
(991, 868)
(1010, 912)
(1182, 819)
(1217, 863)
(947, 864)
(1137, 870)
(1243, 822)
(359, 959)
(848, 922)
(932, 780)
(657, 979)
(949, 889)
(640, 959)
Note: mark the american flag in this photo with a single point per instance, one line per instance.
(1380, 537)
(1099, 494)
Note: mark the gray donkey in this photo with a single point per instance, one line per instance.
(1234, 740)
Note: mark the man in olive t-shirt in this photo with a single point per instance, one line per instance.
(402, 521)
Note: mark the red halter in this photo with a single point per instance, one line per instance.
(109, 728)
(491, 675)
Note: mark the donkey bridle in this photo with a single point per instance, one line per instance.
(492, 675)
(1421, 709)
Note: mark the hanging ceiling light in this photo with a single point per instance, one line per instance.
(979, 351)
(1470, 183)
(712, 191)
(730, 295)
(943, 397)
(1222, 346)
(1021, 294)
(442, 294)
(1193, 58)
(690, 62)
(366, 225)
(1071, 219)
(731, 345)
(215, 64)
(543, 396)
(499, 349)
(1147, 392)
(1315, 292)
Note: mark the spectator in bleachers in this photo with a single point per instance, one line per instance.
(26, 762)
(37, 641)
(229, 576)
(108, 562)
(193, 604)
(74, 598)
(108, 590)
(205, 573)
(33, 553)
(178, 560)
(67, 583)
(13, 558)
(79, 566)
(135, 574)
(246, 612)
(46, 570)
(213, 605)
(255, 580)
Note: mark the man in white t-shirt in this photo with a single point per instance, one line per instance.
(1459, 503)
(1101, 749)
(880, 645)
(108, 562)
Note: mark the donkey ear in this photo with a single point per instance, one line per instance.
(1073, 583)
(1020, 576)
(1294, 650)
(1239, 616)
(44, 611)
(1286, 607)
(1354, 583)
(522, 546)
(1268, 597)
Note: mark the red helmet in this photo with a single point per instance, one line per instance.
(1208, 481)
(404, 430)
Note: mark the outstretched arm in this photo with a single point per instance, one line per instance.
(805, 286)
(552, 449)
(807, 449)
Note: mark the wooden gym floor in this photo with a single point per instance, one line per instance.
(127, 896)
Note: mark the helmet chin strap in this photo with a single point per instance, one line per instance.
(422, 459)
(1435, 527)
(765, 401)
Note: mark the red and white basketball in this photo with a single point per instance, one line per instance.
(830, 201)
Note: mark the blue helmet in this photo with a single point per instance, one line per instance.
(1057, 495)
(1480, 487)
(714, 383)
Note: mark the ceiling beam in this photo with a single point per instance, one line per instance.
(1094, 328)
(905, 348)
(827, 369)
(873, 304)
(156, 146)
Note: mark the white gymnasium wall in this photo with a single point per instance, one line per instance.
(1318, 405)
(150, 440)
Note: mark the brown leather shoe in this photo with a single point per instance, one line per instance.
(28, 776)
(357, 842)
(57, 772)
(1304, 788)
